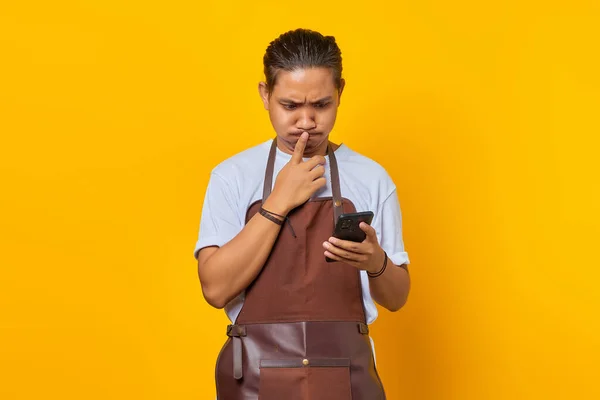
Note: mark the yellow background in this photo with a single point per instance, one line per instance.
(112, 114)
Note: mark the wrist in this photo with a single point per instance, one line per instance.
(379, 268)
(275, 205)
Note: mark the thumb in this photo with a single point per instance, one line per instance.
(370, 231)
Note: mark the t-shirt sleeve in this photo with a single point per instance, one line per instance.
(220, 220)
(388, 224)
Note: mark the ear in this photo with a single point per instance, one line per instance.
(341, 89)
(263, 91)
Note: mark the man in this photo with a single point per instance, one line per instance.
(299, 323)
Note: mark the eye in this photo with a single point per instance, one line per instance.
(288, 106)
(321, 105)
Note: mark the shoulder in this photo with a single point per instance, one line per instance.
(364, 171)
(354, 159)
(244, 164)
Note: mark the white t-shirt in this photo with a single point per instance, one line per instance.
(237, 182)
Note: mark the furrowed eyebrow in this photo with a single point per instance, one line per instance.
(323, 100)
(320, 101)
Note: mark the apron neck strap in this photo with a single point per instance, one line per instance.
(333, 168)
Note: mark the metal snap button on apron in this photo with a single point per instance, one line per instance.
(305, 362)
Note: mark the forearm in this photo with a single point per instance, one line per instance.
(229, 270)
(392, 287)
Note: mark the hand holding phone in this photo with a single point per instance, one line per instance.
(347, 227)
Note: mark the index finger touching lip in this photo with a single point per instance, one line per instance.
(299, 148)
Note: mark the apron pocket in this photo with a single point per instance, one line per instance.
(309, 378)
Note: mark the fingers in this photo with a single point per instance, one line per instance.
(299, 148)
(347, 245)
(314, 161)
(318, 184)
(317, 172)
(338, 253)
(333, 256)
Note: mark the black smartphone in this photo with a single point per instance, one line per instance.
(347, 227)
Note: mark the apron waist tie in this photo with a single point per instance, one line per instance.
(235, 332)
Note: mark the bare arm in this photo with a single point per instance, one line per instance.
(391, 288)
(226, 271)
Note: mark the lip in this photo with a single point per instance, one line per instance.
(300, 133)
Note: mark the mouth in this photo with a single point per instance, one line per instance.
(298, 134)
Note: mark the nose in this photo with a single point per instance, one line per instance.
(306, 119)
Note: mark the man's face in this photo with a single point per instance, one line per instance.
(303, 100)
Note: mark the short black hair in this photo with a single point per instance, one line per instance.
(302, 48)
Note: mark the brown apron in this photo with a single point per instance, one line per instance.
(301, 333)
